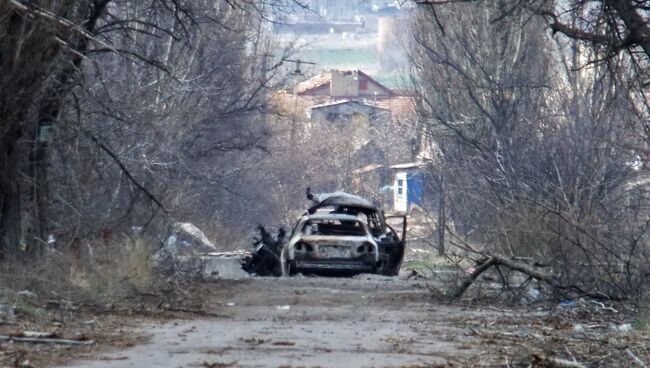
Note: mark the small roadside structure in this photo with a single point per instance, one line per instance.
(407, 186)
(400, 186)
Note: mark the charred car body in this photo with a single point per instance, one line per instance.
(343, 233)
(339, 234)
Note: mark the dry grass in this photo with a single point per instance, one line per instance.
(96, 273)
(84, 293)
(642, 318)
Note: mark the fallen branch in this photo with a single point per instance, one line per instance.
(40, 340)
(636, 359)
(496, 260)
(484, 265)
(530, 270)
(197, 312)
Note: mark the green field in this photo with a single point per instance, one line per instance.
(334, 58)
(364, 59)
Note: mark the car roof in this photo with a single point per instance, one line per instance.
(333, 216)
(343, 199)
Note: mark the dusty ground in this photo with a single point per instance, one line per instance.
(366, 321)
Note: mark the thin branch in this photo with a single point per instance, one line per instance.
(126, 171)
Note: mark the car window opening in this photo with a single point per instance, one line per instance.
(333, 227)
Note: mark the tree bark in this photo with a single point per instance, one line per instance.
(638, 28)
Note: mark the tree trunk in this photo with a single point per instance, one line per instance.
(442, 218)
(10, 216)
(39, 192)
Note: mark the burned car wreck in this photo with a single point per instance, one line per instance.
(339, 234)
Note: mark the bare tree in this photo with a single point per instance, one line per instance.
(538, 159)
(147, 101)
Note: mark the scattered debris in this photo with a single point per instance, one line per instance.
(37, 334)
(218, 365)
(26, 294)
(264, 260)
(541, 360)
(6, 312)
(625, 327)
(284, 343)
(254, 340)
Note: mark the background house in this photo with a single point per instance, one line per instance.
(348, 84)
(347, 110)
(353, 85)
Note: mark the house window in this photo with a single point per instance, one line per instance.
(363, 84)
(400, 186)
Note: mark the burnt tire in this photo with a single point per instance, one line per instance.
(291, 268)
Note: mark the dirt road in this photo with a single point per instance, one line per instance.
(312, 322)
(367, 321)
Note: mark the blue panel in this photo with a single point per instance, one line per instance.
(414, 188)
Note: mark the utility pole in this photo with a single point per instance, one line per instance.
(297, 71)
(299, 62)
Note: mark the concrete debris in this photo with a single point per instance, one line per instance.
(188, 253)
(203, 267)
(186, 239)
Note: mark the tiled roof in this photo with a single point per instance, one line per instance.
(401, 107)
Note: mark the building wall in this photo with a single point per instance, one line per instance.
(344, 83)
(372, 89)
